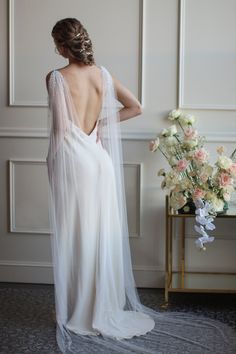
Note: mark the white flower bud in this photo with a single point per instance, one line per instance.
(174, 114)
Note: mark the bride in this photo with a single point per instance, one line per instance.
(97, 304)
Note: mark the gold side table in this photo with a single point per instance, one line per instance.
(178, 281)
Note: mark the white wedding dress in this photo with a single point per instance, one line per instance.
(93, 227)
(96, 299)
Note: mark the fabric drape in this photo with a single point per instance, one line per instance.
(97, 304)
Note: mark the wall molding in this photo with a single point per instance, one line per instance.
(141, 51)
(9, 132)
(25, 264)
(11, 53)
(148, 268)
(50, 265)
(13, 227)
(181, 104)
(139, 167)
(136, 268)
(12, 99)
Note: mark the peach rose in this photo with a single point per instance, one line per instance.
(201, 155)
(224, 179)
(198, 193)
(153, 144)
(232, 169)
(190, 133)
(181, 165)
(220, 150)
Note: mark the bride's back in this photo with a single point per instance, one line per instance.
(86, 89)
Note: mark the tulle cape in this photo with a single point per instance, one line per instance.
(173, 332)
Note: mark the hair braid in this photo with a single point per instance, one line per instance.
(70, 33)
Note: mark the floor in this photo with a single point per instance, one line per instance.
(28, 322)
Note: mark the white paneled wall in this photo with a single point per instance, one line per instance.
(170, 53)
(207, 54)
(28, 197)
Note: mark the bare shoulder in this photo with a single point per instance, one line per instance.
(49, 75)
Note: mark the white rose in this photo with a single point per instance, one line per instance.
(228, 189)
(224, 162)
(186, 183)
(170, 183)
(207, 169)
(171, 179)
(187, 119)
(226, 196)
(170, 131)
(189, 155)
(218, 204)
(174, 114)
(210, 196)
(171, 141)
(164, 132)
(190, 118)
(177, 200)
(205, 172)
(190, 143)
(173, 161)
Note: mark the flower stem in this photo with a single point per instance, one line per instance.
(163, 153)
(232, 155)
(180, 125)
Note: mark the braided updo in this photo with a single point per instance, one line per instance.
(71, 34)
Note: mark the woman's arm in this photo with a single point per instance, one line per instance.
(132, 107)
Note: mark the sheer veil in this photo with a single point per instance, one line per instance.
(173, 332)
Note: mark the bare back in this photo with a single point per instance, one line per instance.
(85, 84)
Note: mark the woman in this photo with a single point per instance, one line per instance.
(97, 304)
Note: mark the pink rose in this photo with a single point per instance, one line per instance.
(190, 133)
(198, 193)
(232, 169)
(201, 155)
(224, 179)
(181, 165)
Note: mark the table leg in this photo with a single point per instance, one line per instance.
(167, 253)
(170, 251)
(182, 252)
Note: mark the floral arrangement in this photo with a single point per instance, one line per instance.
(191, 176)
